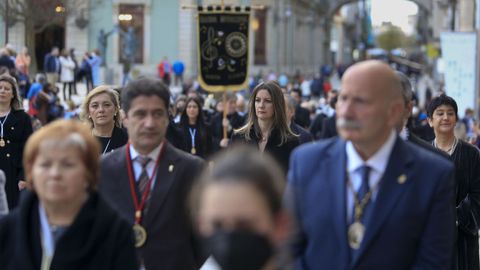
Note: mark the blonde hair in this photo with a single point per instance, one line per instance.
(65, 133)
(103, 89)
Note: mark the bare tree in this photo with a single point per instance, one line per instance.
(38, 15)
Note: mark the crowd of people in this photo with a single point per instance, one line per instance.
(273, 178)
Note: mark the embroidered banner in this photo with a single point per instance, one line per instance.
(223, 49)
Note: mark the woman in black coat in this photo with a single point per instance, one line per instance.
(442, 117)
(267, 126)
(64, 223)
(101, 110)
(196, 136)
(15, 128)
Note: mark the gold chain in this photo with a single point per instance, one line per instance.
(360, 205)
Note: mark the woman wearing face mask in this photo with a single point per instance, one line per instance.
(64, 223)
(15, 128)
(267, 127)
(196, 136)
(237, 206)
(101, 110)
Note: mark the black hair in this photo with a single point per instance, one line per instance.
(439, 101)
(298, 91)
(144, 86)
(184, 117)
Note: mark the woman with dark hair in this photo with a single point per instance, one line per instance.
(15, 128)
(196, 138)
(267, 126)
(442, 117)
(237, 208)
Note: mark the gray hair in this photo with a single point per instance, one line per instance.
(407, 90)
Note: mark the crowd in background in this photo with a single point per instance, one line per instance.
(275, 115)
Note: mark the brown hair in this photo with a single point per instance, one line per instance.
(16, 102)
(103, 89)
(66, 133)
(257, 170)
(279, 115)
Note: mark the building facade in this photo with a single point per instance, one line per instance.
(286, 35)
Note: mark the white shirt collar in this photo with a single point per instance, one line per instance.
(377, 162)
(153, 155)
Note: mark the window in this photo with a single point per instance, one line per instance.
(130, 20)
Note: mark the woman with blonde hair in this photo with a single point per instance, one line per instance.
(267, 127)
(62, 222)
(101, 110)
(15, 128)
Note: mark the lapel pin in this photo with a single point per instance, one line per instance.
(402, 179)
(170, 168)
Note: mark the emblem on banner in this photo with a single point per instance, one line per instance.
(223, 42)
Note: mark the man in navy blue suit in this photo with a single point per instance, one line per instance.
(367, 199)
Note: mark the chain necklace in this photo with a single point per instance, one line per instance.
(450, 150)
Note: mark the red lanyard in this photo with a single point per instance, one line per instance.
(140, 205)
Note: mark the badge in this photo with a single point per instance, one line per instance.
(193, 151)
(2, 142)
(356, 231)
(140, 235)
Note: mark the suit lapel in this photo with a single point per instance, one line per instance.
(163, 181)
(335, 170)
(389, 193)
(119, 158)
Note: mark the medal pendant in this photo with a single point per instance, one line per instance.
(140, 235)
(193, 151)
(2, 143)
(356, 231)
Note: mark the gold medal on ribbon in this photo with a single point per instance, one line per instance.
(2, 142)
(356, 231)
(193, 151)
(140, 235)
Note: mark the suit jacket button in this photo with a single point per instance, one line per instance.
(13, 128)
(8, 141)
(8, 155)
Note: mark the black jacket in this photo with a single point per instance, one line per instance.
(97, 239)
(236, 121)
(16, 131)
(279, 152)
(303, 135)
(171, 241)
(119, 138)
(302, 117)
(329, 129)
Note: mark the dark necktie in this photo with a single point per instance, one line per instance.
(143, 179)
(365, 186)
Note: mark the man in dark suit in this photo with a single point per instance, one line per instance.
(367, 199)
(302, 115)
(303, 135)
(402, 125)
(148, 180)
